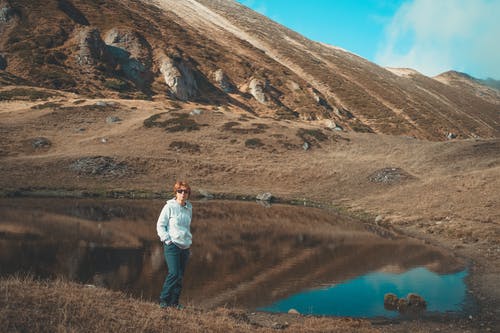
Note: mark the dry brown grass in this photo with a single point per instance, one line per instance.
(305, 79)
(27, 305)
(453, 200)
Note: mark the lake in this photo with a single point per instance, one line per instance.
(243, 255)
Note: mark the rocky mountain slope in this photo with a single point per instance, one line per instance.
(218, 52)
(486, 89)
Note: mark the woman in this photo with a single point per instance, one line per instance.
(174, 230)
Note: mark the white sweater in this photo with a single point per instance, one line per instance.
(174, 223)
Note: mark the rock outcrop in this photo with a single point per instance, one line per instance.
(342, 113)
(91, 48)
(257, 89)
(7, 13)
(319, 99)
(133, 54)
(224, 82)
(178, 77)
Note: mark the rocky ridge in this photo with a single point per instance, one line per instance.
(221, 53)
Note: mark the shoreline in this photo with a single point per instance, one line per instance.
(474, 264)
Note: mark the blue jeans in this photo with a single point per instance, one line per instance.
(176, 259)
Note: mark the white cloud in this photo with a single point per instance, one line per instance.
(436, 36)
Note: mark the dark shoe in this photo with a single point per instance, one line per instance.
(164, 305)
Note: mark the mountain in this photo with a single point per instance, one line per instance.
(492, 83)
(485, 89)
(218, 52)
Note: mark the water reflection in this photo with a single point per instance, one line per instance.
(360, 297)
(243, 254)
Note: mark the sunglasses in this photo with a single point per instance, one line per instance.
(183, 191)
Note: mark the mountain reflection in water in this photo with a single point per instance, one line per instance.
(243, 254)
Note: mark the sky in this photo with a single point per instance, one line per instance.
(430, 36)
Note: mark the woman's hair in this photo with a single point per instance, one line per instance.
(179, 184)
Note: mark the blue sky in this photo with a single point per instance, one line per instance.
(431, 36)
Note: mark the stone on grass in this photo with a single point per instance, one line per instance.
(390, 176)
(112, 119)
(267, 196)
(40, 142)
(205, 194)
(196, 112)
